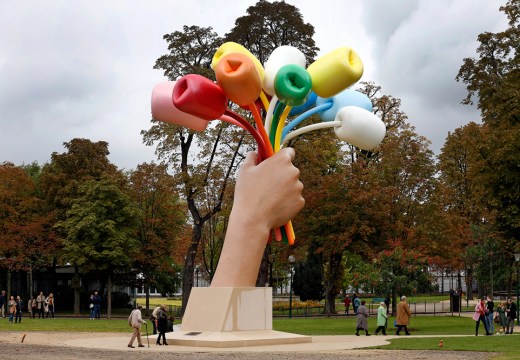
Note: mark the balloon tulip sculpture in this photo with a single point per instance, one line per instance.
(295, 91)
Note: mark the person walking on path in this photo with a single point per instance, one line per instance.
(97, 305)
(19, 308)
(347, 302)
(91, 307)
(490, 307)
(355, 303)
(34, 307)
(480, 315)
(362, 319)
(153, 318)
(381, 318)
(3, 300)
(12, 309)
(403, 316)
(511, 316)
(40, 300)
(162, 325)
(501, 310)
(135, 320)
(49, 302)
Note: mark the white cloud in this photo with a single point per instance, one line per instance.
(84, 68)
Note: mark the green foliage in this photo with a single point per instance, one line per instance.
(100, 227)
(168, 282)
(494, 79)
(269, 25)
(120, 299)
(308, 278)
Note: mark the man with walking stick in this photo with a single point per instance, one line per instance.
(135, 320)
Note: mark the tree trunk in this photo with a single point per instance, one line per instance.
(189, 265)
(147, 287)
(469, 284)
(31, 290)
(394, 301)
(77, 295)
(109, 295)
(9, 289)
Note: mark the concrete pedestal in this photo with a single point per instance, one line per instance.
(231, 317)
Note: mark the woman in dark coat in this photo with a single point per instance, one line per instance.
(162, 325)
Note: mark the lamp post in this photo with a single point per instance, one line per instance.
(517, 260)
(291, 259)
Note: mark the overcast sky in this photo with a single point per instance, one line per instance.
(84, 68)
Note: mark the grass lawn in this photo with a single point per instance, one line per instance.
(66, 324)
(508, 345)
(156, 301)
(419, 325)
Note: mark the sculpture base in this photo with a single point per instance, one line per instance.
(231, 317)
(231, 339)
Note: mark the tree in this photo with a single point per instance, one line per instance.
(402, 272)
(460, 199)
(269, 25)
(100, 230)
(308, 277)
(160, 220)
(494, 78)
(26, 236)
(60, 180)
(204, 161)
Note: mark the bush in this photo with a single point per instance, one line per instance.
(284, 305)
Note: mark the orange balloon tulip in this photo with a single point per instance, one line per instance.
(238, 77)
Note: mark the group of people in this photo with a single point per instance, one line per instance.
(160, 321)
(95, 306)
(503, 316)
(43, 305)
(361, 311)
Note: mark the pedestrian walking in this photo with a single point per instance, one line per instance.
(356, 302)
(480, 315)
(382, 318)
(490, 311)
(91, 308)
(347, 302)
(97, 305)
(19, 309)
(162, 325)
(153, 318)
(34, 307)
(511, 316)
(12, 309)
(3, 300)
(135, 321)
(49, 302)
(501, 310)
(362, 319)
(403, 316)
(40, 300)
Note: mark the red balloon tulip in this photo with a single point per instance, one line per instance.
(199, 96)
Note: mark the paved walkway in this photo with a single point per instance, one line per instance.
(319, 344)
